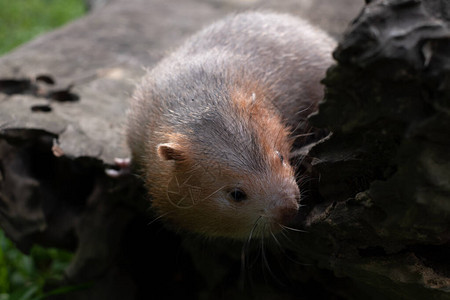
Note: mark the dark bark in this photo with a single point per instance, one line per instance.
(378, 195)
(384, 172)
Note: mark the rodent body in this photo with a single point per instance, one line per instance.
(209, 127)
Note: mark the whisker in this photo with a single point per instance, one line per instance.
(275, 239)
(305, 109)
(292, 229)
(283, 250)
(266, 263)
(245, 251)
(159, 217)
(302, 182)
(288, 238)
(306, 178)
(296, 248)
(299, 162)
(247, 243)
(299, 125)
(302, 135)
(303, 122)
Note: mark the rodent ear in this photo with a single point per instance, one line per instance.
(170, 151)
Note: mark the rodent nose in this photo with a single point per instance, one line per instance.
(288, 208)
(287, 213)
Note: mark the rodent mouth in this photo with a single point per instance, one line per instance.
(285, 214)
(267, 226)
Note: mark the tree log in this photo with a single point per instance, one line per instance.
(377, 202)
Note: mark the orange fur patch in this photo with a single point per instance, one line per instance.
(253, 104)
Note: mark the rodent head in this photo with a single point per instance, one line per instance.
(215, 200)
(235, 184)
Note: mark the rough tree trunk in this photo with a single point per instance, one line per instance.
(377, 214)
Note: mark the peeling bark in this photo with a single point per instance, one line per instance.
(377, 200)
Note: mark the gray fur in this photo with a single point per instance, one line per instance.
(188, 91)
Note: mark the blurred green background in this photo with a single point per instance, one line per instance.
(22, 276)
(21, 20)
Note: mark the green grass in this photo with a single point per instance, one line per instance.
(22, 277)
(21, 20)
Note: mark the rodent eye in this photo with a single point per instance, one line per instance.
(280, 156)
(238, 195)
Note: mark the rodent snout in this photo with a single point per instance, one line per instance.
(286, 207)
(286, 214)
